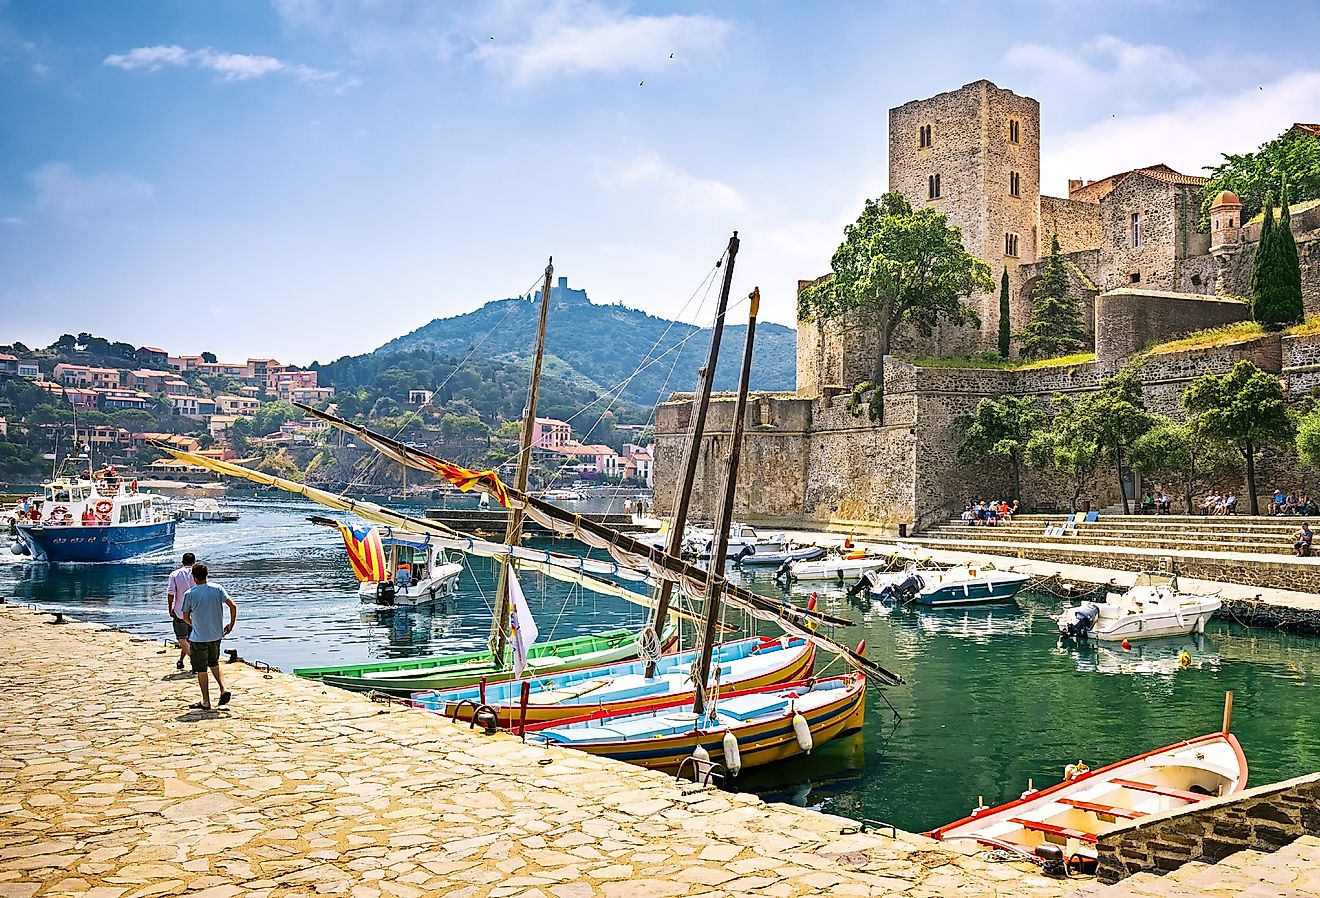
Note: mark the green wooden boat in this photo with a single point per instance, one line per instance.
(406, 676)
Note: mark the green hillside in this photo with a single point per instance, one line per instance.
(598, 347)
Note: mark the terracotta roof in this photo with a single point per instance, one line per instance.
(1226, 198)
(1308, 127)
(1094, 191)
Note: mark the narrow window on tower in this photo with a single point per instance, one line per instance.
(1136, 229)
(924, 136)
(933, 185)
(1014, 130)
(1014, 184)
(1010, 245)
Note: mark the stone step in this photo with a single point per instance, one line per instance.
(1291, 872)
(1094, 533)
(1170, 543)
(1272, 525)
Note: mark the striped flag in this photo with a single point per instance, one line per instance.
(522, 629)
(366, 553)
(466, 479)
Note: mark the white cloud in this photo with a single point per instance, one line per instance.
(573, 37)
(40, 69)
(688, 193)
(62, 190)
(1187, 136)
(229, 66)
(12, 220)
(1103, 63)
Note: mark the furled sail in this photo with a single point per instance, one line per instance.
(628, 552)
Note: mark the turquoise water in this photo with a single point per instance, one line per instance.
(992, 699)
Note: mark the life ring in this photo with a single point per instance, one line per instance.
(58, 510)
(104, 507)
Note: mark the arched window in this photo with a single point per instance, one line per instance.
(1011, 244)
(924, 136)
(1014, 184)
(1014, 131)
(933, 186)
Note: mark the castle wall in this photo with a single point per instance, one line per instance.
(1150, 262)
(1128, 320)
(1077, 223)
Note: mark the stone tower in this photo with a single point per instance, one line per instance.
(974, 154)
(1225, 221)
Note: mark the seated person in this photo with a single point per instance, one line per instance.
(1302, 540)
(1230, 504)
(1290, 504)
(88, 516)
(1210, 503)
(1163, 504)
(403, 577)
(1307, 505)
(968, 518)
(1148, 503)
(1278, 503)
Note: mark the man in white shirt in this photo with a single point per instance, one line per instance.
(181, 581)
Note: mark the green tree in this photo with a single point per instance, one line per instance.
(1113, 416)
(1307, 441)
(1055, 324)
(1069, 450)
(1005, 324)
(1179, 452)
(1293, 156)
(1000, 429)
(1271, 299)
(1289, 265)
(1244, 408)
(897, 266)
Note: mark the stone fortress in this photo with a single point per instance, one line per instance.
(1137, 263)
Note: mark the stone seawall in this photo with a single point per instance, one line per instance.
(1261, 819)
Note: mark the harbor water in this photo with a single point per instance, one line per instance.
(993, 701)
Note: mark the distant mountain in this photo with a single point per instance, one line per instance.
(599, 347)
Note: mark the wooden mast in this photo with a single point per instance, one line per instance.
(715, 579)
(692, 453)
(499, 625)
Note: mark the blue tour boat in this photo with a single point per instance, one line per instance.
(79, 519)
(955, 587)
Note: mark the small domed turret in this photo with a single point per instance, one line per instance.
(1225, 220)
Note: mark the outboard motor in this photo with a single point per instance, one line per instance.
(744, 552)
(385, 592)
(1083, 622)
(863, 584)
(785, 570)
(903, 590)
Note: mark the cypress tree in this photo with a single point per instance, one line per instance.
(1271, 300)
(1286, 247)
(1055, 325)
(1004, 331)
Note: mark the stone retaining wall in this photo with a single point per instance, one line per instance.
(1262, 819)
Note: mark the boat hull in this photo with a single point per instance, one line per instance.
(837, 568)
(1072, 814)
(1152, 626)
(798, 664)
(971, 592)
(403, 678)
(96, 543)
(760, 742)
(806, 553)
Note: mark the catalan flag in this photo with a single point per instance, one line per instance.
(465, 479)
(366, 553)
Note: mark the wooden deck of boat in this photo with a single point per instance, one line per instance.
(113, 789)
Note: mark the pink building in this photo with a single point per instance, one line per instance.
(551, 433)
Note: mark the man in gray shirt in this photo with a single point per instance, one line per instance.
(204, 611)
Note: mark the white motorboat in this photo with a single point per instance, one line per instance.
(847, 565)
(773, 553)
(1153, 607)
(700, 542)
(208, 511)
(423, 572)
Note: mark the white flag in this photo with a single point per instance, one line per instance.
(522, 629)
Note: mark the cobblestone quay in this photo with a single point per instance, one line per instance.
(111, 788)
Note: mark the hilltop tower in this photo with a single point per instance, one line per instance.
(974, 154)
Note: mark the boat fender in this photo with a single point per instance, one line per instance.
(700, 755)
(58, 511)
(732, 757)
(1072, 771)
(1185, 659)
(18, 549)
(803, 732)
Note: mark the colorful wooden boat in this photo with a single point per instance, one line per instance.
(620, 688)
(764, 725)
(404, 677)
(1074, 813)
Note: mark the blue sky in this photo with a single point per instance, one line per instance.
(310, 178)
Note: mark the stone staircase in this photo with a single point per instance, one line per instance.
(1291, 872)
(1160, 533)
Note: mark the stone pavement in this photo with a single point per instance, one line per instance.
(1291, 872)
(111, 788)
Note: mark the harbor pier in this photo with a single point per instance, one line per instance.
(110, 787)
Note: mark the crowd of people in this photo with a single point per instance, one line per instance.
(988, 512)
(1216, 504)
(1156, 501)
(1293, 503)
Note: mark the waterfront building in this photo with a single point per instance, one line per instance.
(551, 433)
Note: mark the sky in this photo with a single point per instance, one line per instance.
(306, 179)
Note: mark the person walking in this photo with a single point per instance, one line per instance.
(180, 582)
(203, 611)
